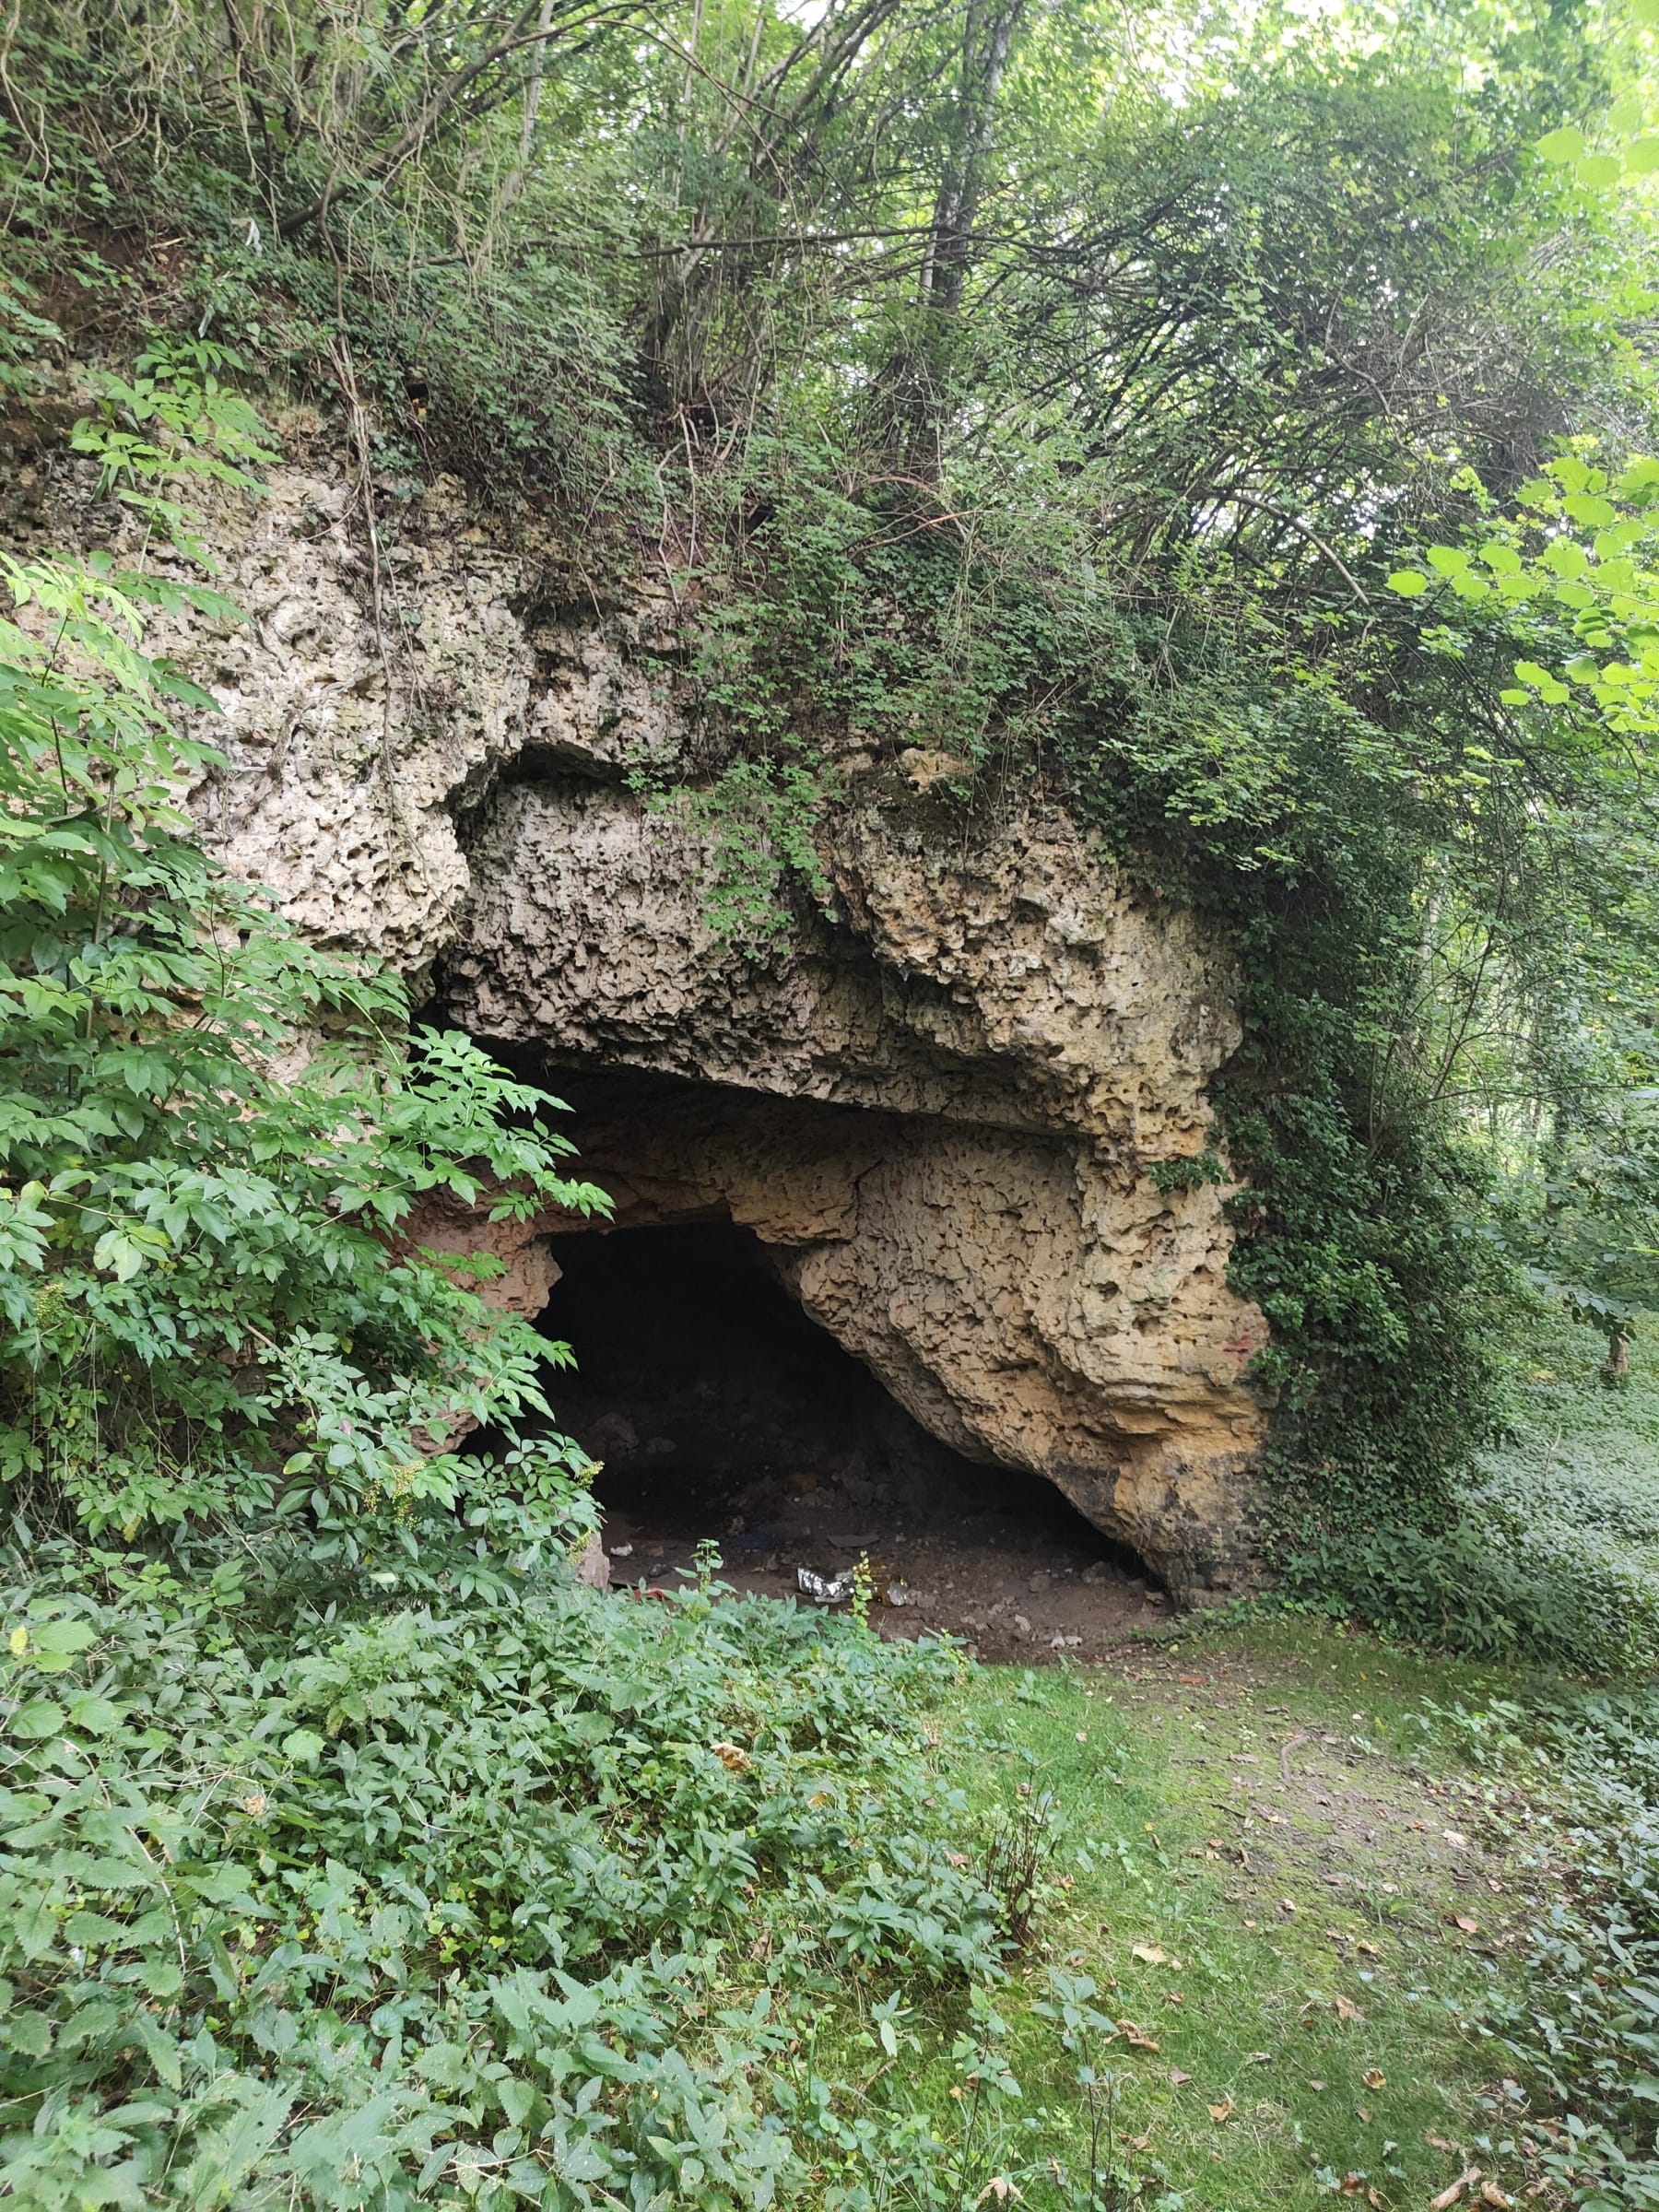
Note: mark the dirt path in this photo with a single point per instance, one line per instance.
(1300, 1895)
(1307, 1797)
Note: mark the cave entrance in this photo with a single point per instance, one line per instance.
(720, 1411)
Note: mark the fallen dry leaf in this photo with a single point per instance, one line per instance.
(1440, 2143)
(1178, 2080)
(1353, 2185)
(956, 1858)
(1150, 1954)
(1491, 2195)
(1190, 1680)
(1455, 1838)
(1219, 2112)
(1367, 1950)
(1462, 1919)
(1362, 2111)
(1139, 2142)
(1316, 2084)
(1375, 2078)
(1346, 2008)
(1000, 2187)
(732, 1758)
(1259, 2058)
(1137, 2037)
(1448, 2196)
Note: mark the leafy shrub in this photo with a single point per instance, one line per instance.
(1582, 2033)
(1543, 1593)
(210, 1132)
(499, 1900)
(1549, 1553)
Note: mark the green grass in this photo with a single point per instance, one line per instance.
(1310, 1985)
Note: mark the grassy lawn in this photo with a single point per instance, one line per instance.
(1288, 1889)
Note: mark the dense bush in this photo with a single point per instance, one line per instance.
(506, 1902)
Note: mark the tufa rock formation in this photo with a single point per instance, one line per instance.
(939, 1101)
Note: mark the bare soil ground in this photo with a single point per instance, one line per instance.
(1307, 1795)
(1029, 1581)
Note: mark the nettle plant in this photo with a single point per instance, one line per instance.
(212, 1134)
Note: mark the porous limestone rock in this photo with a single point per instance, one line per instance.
(375, 685)
(940, 1102)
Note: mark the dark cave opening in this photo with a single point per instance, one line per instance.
(719, 1410)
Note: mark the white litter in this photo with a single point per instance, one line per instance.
(823, 1589)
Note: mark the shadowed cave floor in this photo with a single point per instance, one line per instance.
(719, 1411)
(1015, 1585)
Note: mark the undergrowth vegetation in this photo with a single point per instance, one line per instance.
(1582, 2027)
(988, 382)
(515, 1899)
(1550, 1556)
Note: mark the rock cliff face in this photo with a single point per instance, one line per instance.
(940, 1109)
(939, 1103)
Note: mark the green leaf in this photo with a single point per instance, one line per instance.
(29, 2033)
(1410, 584)
(96, 1715)
(1563, 146)
(230, 2151)
(1642, 157)
(1598, 170)
(61, 1635)
(39, 1718)
(304, 1745)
